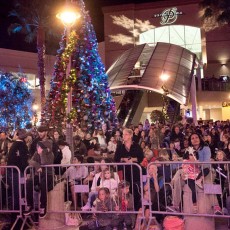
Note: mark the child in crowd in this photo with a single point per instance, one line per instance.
(175, 167)
(104, 204)
(75, 174)
(190, 173)
(112, 145)
(111, 180)
(108, 181)
(151, 193)
(124, 202)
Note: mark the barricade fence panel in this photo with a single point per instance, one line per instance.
(118, 192)
(188, 188)
(111, 192)
(11, 187)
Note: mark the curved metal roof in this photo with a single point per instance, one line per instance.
(173, 60)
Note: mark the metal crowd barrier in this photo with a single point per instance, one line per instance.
(174, 197)
(11, 190)
(68, 191)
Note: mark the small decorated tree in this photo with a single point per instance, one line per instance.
(15, 103)
(157, 116)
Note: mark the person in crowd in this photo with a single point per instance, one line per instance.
(57, 136)
(223, 145)
(209, 141)
(103, 204)
(215, 137)
(66, 153)
(3, 144)
(18, 156)
(164, 169)
(42, 136)
(152, 139)
(148, 157)
(143, 137)
(184, 146)
(101, 139)
(109, 181)
(130, 152)
(136, 135)
(151, 196)
(204, 155)
(172, 149)
(176, 134)
(75, 174)
(190, 173)
(3, 182)
(112, 145)
(227, 152)
(221, 174)
(146, 126)
(79, 146)
(43, 156)
(87, 141)
(124, 203)
(97, 183)
(118, 137)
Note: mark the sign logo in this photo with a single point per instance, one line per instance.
(168, 16)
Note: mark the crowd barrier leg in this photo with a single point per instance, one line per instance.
(55, 203)
(204, 207)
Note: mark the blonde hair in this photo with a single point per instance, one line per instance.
(164, 154)
(129, 131)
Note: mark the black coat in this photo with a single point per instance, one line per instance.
(18, 155)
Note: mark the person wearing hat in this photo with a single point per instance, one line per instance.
(43, 156)
(42, 135)
(18, 156)
(79, 146)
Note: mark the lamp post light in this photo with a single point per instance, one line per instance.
(68, 17)
(35, 109)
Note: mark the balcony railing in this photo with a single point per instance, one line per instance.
(214, 84)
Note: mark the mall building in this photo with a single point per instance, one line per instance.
(144, 41)
(174, 31)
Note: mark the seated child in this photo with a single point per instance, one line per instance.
(104, 204)
(124, 202)
(107, 180)
(190, 173)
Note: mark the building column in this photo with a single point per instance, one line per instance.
(193, 100)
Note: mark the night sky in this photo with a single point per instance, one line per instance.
(16, 41)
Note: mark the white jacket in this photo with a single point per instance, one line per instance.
(66, 155)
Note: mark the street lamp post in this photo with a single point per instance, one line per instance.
(68, 17)
(35, 109)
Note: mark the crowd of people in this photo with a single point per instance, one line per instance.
(118, 187)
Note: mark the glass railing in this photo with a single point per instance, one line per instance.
(214, 84)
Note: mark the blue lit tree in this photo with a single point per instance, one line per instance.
(15, 102)
(92, 103)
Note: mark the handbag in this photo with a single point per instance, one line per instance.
(72, 218)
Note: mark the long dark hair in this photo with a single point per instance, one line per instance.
(202, 143)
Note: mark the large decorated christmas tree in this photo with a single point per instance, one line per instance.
(15, 102)
(92, 103)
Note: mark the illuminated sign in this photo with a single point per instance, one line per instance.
(168, 16)
(225, 104)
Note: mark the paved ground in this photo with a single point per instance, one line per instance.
(220, 224)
